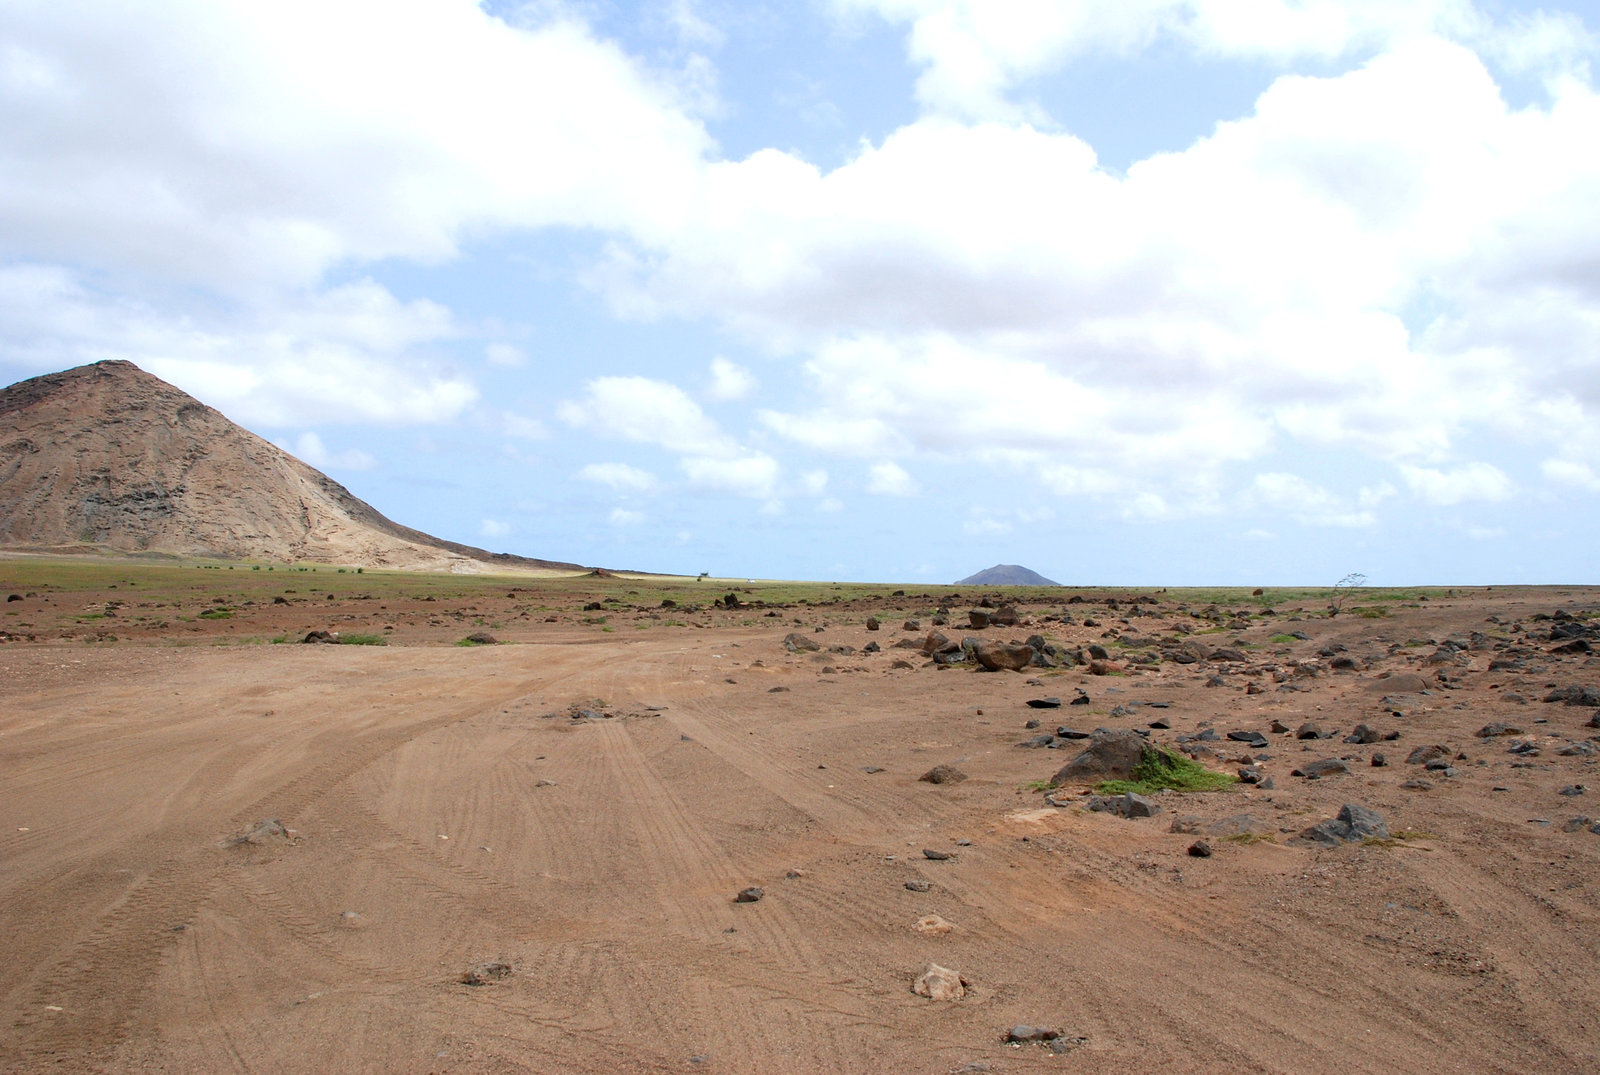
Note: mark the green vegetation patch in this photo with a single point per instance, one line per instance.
(363, 640)
(1160, 770)
(1284, 639)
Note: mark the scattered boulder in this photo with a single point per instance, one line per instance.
(872, 623)
(753, 894)
(1235, 825)
(1044, 703)
(934, 855)
(1110, 755)
(1025, 1033)
(795, 642)
(1354, 823)
(1129, 805)
(1586, 696)
(1004, 616)
(918, 885)
(1423, 755)
(1309, 730)
(1495, 728)
(940, 983)
(1319, 769)
(1363, 734)
(484, 973)
(1003, 656)
(978, 618)
(322, 637)
(1254, 739)
(1200, 850)
(1399, 683)
(931, 925)
(943, 774)
(482, 638)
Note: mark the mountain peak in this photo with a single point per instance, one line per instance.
(1006, 575)
(110, 457)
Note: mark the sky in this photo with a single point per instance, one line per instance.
(1131, 292)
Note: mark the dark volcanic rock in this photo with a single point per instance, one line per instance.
(1110, 755)
(943, 774)
(1318, 769)
(1353, 824)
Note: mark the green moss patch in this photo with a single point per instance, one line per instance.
(1160, 770)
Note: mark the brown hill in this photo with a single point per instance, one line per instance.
(109, 457)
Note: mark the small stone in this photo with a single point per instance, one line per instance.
(1573, 789)
(1044, 703)
(1319, 769)
(918, 885)
(1254, 739)
(1419, 785)
(1309, 730)
(940, 983)
(1026, 1033)
(1187, 823)
(753, 894)
(1576, 824)
(1489, 731)
(936, 856)
(931, 925)
(484, 973)
(1362, 734)
(1379, 761)
(943, 774)
(1200, 850)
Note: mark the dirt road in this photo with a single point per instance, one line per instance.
(445, 808)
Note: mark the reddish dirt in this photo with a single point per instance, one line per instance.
(444, 810)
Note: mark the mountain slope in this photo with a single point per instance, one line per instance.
(1006, 575)
(107, 456)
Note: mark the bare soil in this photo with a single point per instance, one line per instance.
(443, 810)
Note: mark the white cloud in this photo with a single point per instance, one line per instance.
(649, 411)
(522, 427)
(1308, 503)
(350, 354)
(619, 476)
(890, 479)
(830, 505)
(814, 482)
(984, 526)
(625, 517)
(494, 528)
(1571, 473)
(975, 53)
(1473, 481)
(505, 355)
(754, 475)
(309, 448)
(323, 138)
(1385, 250)
(729, 381)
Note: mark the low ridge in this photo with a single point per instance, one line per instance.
(108, 457)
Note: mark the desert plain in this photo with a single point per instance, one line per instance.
(566, 814)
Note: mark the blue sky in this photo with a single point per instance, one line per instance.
(1128, 291)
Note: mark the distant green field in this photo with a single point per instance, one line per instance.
(176, 581)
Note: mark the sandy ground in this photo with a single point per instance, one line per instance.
(444, 809)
